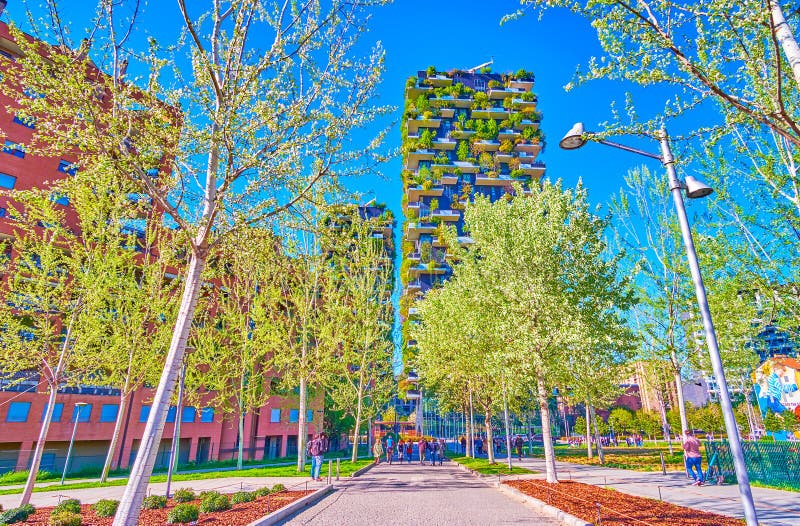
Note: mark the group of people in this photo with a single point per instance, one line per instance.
(517, 443)
(429, 450)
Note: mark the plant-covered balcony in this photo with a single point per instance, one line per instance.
(535, 169)
(447, 113)
(444, 143)
(439, 80)
(486, 145)
(415, 229)
(424, 190)
(413, 124)
(490, 113)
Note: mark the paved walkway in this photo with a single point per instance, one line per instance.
(774, 507)
(411, 494)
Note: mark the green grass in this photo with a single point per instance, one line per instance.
(346, 469)
(784, 487)
(482, 466)
(635, 459)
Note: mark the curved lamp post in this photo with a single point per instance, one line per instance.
(78, 413)
(577, 137)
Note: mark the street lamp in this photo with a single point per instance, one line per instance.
(78, 410)
(577, 137)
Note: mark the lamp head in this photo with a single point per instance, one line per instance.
(574, 138)
(695, 188)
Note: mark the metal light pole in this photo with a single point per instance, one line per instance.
(79, 408)
(576, 138)
(176, 431)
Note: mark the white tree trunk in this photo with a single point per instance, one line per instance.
(784, 35)
(112, 447)
(589, 452)
(471, 437)
(665, 423)
(354, 455)
(508, 428)
(676, 373)
(489, 445)
(600, 455)
(136, 490)
(52, 382)
(301, 427)
(547, 437)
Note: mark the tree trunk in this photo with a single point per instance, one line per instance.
(471, 437)
(112, 447)
(240, 452)
(589, 452)
(600, 455)
(301, 427)
(53, 382)
(489, 444)
(783, 34)
(665, 423)
(676, 374)
(547, 438)
(354, 455)
(508, 430)
(136, 490)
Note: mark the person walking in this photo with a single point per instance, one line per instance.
(409, 450)
(442, 449)
(422, 446)
(377, 451)
(433, 447)
(694, 460)
(389, 448)
(401, 449)
(315, 449)
(463, 445)
(518, 443)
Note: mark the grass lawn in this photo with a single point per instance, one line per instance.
(346, 469)
(482, 466)
(636, 459)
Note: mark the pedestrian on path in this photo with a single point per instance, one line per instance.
(316, 448)
(433, 447)
(389, 448)
(377, 451)
(442, 449)
(694, 460)
(423, 446)
(409, 450)
(463, 445)
(518, 442)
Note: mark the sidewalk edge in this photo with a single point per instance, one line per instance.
(281, 514)
(564, 517)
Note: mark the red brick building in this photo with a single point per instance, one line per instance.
(206, 433)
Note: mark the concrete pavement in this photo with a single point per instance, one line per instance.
(774, 507)
(410, 494)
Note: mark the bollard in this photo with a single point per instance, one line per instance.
(663, 465)
(330, 470)
(659, 493)
(338, 461)
(599, 518)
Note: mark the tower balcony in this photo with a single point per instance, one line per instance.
(444, 143)
(462, 103)
(503, 93)
(447, 113)
(525, 104)
(414, 287)
(414, 157)
(466, 167)
(412, 92)
(447, 215)
(415, 192)
(508, 134)
(500, 180)
(413, 125)
(491, 113)
(529, 123)
(535, 168)
(434, 267)
(414, 230)
(461, 134)
(524, 85)
(528, 147)
(439, 81)
(503, 157)
(486, 146)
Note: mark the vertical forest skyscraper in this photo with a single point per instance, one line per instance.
(464, 133)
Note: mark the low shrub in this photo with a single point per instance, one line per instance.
(214, 501)
(262, 492)
(70, 505)
(184, 495)
(105, 507)
(183, 513)
(242, 496)
(65, 518)
(16, 514)
(278, 487)
(154, 502)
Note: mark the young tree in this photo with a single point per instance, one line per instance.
(271, 101)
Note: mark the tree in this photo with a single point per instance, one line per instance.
(274, 123)
(621, 419)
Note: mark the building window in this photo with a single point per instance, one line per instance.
(144, 413)
(207, 415)
(171, 413)
(15, 149)
(188, 414)
(8, 55)
(18, 412)
(7, 181)
(310, 415)
(81, 412)
(108, 413)
(60, 199)
(275, 415)
(25, 121)
(58, 410)
(294, 415)
(2, 212)
(66, 167)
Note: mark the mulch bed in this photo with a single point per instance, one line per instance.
(239, 514)
(616, 508)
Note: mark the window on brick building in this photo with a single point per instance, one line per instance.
(18, 412)
(275, 415)
(207, 415)
(58, 410)
(7, 181)
(310, 415)
(171, 413)
(82, 412)
(144, 412)
(188, 414)
(15, 149)
(66, 167)
(294, 415)
(108, 413)
(28, 122)
(60, 199)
